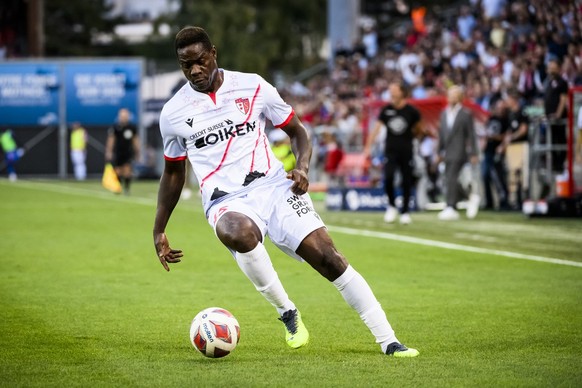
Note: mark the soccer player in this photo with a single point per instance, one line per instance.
(217, 121)
(122, 148)
(402, 122)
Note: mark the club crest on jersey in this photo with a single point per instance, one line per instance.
(243, 105)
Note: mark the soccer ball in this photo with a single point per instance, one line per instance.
(215, 332)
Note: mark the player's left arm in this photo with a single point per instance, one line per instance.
(301, 146)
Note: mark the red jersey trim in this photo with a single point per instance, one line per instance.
(287, 120)
(212, 97)
(176, 159)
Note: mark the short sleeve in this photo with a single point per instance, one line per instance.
(174, 149)
(416, 116)
(563, 87)
(276, 109)
(382, 115)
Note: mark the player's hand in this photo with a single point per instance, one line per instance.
(300, 181)
(165, 253)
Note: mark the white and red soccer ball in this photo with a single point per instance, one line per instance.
(215, 332)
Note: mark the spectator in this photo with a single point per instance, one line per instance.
(427, 148)
(555, 107)
(497, 34)
(79, 151)
(466, 23)
(557, 46)
(410, 66)
(457, 146)
(370, 40)
(348, 125)
(517, 148)
(530, 82)
(493, 164)
(333, 156)
(492, 8)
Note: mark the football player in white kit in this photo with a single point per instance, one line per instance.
(217, 121)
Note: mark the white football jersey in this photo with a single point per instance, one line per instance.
(223, 134)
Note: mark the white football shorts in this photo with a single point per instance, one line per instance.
(285, 217)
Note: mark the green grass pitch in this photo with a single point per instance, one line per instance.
(85, 302)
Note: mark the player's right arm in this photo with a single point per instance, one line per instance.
(171, 184)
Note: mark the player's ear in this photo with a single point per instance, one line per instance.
(213, 51)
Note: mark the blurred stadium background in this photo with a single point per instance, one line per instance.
(63, 62)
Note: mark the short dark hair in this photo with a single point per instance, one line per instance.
(192, 35)
(403, 86)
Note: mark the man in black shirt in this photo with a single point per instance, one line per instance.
(517, 147)
(402, 122)
(494, 156)
(122, 148)
(555, 105)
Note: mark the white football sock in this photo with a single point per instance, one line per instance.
(358, 294)
(257, 266)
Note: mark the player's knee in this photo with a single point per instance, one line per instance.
(238, 232)
(331, 264)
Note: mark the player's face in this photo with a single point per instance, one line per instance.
(199, 66)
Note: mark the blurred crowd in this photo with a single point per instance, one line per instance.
(486, 46)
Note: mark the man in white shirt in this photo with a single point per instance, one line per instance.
(217, 121)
